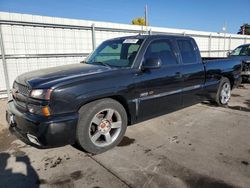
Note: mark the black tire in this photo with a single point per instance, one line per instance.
(85, 125)
(219, 101)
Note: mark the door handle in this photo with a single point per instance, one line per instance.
(178, 75)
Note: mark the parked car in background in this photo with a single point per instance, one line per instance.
(242, 53)
(124, 81)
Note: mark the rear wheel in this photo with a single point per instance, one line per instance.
(224, 92)
(101, 126)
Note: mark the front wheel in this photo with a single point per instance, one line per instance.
(101, 126)
(224, 92)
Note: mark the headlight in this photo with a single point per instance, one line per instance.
(40, 110)
(41, 94)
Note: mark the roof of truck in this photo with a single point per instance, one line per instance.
(245, 45)
(144, 36)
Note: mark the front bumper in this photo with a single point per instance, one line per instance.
(42, 132)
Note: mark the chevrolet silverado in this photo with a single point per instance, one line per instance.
(124, 81)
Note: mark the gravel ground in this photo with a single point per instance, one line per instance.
(199, 146)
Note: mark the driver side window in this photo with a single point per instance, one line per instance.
(161, 49)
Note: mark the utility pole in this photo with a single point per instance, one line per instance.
(224, 29)
(146, 15)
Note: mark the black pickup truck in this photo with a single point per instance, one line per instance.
(124, 81)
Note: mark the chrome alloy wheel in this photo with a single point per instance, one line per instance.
(225, 93)
(105, 127)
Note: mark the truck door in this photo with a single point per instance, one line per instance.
(192, 71)
(159, 89)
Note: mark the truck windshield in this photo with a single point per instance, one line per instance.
(241, 51)
(116, 53)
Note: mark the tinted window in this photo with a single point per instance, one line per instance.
(116, 52)
(187, 51)
(241, 51)
(132, 51)
(109, 53)
(133, 48)
(163, 50)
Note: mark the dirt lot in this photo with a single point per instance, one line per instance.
(200, 146)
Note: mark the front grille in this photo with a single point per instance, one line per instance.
(22, 89)
(20, 94)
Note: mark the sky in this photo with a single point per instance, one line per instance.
(203, 15)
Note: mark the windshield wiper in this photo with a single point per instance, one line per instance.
(101, 63)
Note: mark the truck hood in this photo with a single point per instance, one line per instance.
(46, 78)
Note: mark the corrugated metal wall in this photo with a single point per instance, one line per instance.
(33, 42)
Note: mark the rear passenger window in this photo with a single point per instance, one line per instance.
(161, 49)
(187, 51)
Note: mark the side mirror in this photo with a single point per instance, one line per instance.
(228, 54)
(151, 63)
